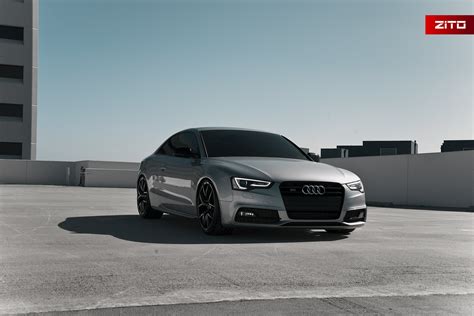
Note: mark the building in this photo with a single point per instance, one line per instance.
(305, 150)
(457, 145)
(334, 153)
(18, 78)
(372, 148)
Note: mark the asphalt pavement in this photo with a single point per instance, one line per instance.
(86, 250)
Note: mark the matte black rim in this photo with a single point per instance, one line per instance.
(206, 205)
(142, 196)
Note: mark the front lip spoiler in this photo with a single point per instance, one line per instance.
(305, 224)
(324, 224)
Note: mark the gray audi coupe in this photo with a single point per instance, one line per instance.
(229, 177)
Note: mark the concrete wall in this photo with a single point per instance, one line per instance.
(17, 171)
(104, 179)
(118, 178)
(98, 173)
(430, 180)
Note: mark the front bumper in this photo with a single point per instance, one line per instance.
(271, 200)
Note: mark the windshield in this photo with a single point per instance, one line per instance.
(231, 143)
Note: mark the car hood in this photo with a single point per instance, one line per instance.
(283, 169)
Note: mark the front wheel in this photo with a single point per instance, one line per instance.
(209, 211)
(340, 231)
(143, 201)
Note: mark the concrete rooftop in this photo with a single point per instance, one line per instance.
(75, 248)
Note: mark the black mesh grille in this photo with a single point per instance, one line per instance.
(262, 216)
(355, 216)
(301, 206)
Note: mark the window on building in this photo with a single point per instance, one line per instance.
(13, 33)
(10, 149)
(11, 72)
(388, 151)
(11, 111)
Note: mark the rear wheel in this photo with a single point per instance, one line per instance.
(143, 201)
(209, 211)
(340, 231)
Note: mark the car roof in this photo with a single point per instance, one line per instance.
(199, 129)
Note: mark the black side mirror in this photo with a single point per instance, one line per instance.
(314, 157)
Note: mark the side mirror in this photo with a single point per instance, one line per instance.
(314, 157)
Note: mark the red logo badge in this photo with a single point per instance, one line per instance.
(449, 24)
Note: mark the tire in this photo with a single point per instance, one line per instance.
(340, 231)
(143, 201)
(208, 210)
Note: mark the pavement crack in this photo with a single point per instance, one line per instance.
(204, 254)
(231, 281)
(346, 305)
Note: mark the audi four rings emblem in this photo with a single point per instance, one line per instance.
(313, 189)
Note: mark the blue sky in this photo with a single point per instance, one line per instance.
(117, 77)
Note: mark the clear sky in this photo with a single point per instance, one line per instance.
(117, 77)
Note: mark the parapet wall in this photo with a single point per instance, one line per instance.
(444, 180)
(426, 180)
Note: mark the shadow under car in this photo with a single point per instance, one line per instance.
(178, 230)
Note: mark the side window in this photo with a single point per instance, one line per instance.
(165, 149)
(179, 144)
(182, 142)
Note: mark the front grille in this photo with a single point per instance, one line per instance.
(300, 206)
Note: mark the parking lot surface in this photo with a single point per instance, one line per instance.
(75, 248)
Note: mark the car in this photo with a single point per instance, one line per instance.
(230, 177)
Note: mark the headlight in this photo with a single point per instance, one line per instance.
(356, 186)
(244, 184)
